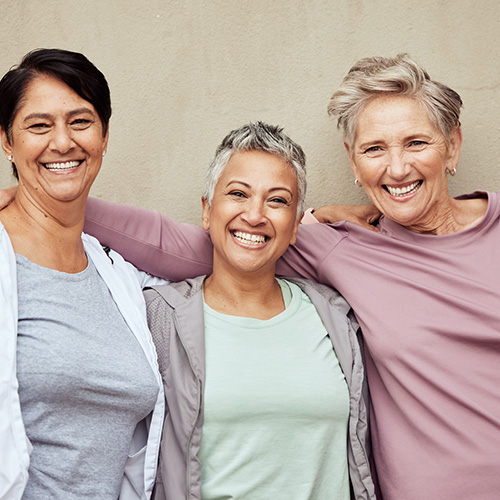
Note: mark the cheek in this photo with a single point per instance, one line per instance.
(374, 169)
(433, 167)
(368, 177)
(361, 168)
(288, 225)
(216, 225)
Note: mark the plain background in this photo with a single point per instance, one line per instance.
(184, 73)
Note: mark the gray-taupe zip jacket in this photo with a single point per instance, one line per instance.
(176, 321)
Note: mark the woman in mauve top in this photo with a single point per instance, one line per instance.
(425, 287)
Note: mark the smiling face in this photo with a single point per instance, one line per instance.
(401, 159)
(253, 217)
(57, 142)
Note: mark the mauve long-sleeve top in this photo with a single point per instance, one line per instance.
(429, 308)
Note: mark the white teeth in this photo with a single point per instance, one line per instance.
(404, 190)
(67, 165)
(249, 239)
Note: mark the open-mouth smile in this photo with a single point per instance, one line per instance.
(250, 239)
(403, 191)
(61, 166)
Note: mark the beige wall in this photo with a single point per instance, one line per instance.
(184, 73)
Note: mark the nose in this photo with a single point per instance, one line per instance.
(399, 166)
(254, 213)
(61, 140)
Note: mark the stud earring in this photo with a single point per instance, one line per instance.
(10, 158)
(103, 154)
(452, 172)
(357, 183)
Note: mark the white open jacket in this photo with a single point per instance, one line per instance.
(125, 284)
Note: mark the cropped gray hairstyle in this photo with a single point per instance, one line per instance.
(378, 76)
(258, 137)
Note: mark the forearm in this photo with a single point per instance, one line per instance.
(362, 215)
(151, 241)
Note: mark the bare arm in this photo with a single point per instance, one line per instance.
(151, 241)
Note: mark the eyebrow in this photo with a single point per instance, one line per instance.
(412, 137)
(276, 188)
(48, 116)
(368, 144)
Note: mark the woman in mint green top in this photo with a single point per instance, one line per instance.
(271, 415)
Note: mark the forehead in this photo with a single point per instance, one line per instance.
(47, 94)
(258, 168)
(393, 115)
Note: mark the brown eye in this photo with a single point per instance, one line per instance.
(80, 123)
(278, 200)
(373, 149)
(39, 128)
(237, 194)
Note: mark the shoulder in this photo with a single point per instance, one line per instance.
(184, 299)
(104, 255)
(6, 251)
(471, 208)
(319, 293)
(333, 232)
(492, 199)
(93, 247)
(316, 241)
(174, 294)
(4, 237)
(479, 206)
(121, 277)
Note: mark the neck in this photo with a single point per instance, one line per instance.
(48, 235)
(250, 295)
(453, 216)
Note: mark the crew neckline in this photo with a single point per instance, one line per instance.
(392, 228)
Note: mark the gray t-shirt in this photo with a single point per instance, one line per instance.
(84, 383)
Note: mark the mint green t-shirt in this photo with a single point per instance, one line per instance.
(276, 407)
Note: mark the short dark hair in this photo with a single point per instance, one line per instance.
(72, 68)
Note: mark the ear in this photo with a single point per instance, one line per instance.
(7, 149)
(205, 216)
(353, 165)
(454, 146)
(293, 239)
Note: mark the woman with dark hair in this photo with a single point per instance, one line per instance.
(81, 400)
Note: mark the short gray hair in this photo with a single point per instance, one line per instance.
(383, 76)
(258, 137)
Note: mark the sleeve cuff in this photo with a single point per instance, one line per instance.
(308, 217)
